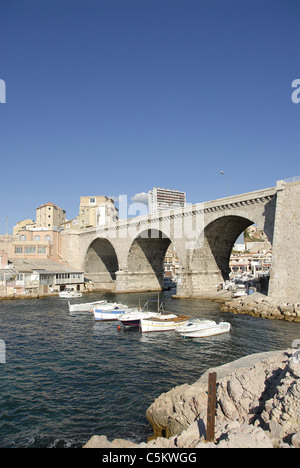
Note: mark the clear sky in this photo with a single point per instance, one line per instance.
(110, 97)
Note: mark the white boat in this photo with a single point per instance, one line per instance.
(69, 293)
(239, 293)
(84, 307)
(165, 322)
(133, 316)
(197, 328)
(109, 311)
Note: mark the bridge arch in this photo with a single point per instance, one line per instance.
(214, 246)
(146, 258)
(209, 260)
(101, 262)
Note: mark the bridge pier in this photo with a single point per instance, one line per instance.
(127, 281)
(285, 275)
(195, 283)
(102, 281)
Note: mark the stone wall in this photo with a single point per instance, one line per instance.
(259, 305)
(285, 273)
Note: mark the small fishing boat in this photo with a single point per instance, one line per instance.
(69, 293)
(133, 316)
(197, 328)
(165, 322)
(109, 311)
(85, 306)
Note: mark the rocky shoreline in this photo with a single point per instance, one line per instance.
(259, 305)
(258, 406)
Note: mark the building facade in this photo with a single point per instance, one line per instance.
(164, 199)
(49, 216)
(96, 211)
(37, 243)
(38, 276)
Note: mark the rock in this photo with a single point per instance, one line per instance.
(296, 440)
(192, 435)
(245, 436)
(97, 442)
(258, 406)
(174, 411)
(102, 442)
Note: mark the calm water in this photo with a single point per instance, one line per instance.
(67, 377)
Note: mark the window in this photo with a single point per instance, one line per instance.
(41, 250)
(37, 238)
(92, 201)
(22, 238)
(30, 250)
(18, 250)
(47, 238)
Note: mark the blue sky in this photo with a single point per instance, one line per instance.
(110, 97)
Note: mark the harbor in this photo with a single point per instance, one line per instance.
(67, 377)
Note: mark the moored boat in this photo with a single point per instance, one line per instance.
(132, 317)
(197, 328)
(69, 293)
(109, 311)
(84, 307)
(165, 322)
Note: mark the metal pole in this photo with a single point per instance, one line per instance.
(223, 173)
(211, 407)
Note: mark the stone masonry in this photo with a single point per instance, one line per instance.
(128, 255)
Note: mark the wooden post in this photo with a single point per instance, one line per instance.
(211, 407)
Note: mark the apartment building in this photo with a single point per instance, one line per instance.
(96, 211)
(37, 243)
(50, 216)
(40, 238)
(165, 199)
(254, 263)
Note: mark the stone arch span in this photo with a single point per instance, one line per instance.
(146, 259)
(101, 263)
(212, 253)
(209, 260)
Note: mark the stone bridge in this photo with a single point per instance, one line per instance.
(128, 255)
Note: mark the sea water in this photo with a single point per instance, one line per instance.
(66, 377)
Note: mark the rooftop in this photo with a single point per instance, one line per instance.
(44, 265)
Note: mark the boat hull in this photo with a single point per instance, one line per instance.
(109, 314)
(85, 307)
(162, 324)
(203, 331)
(69, 295)
(133, 319)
